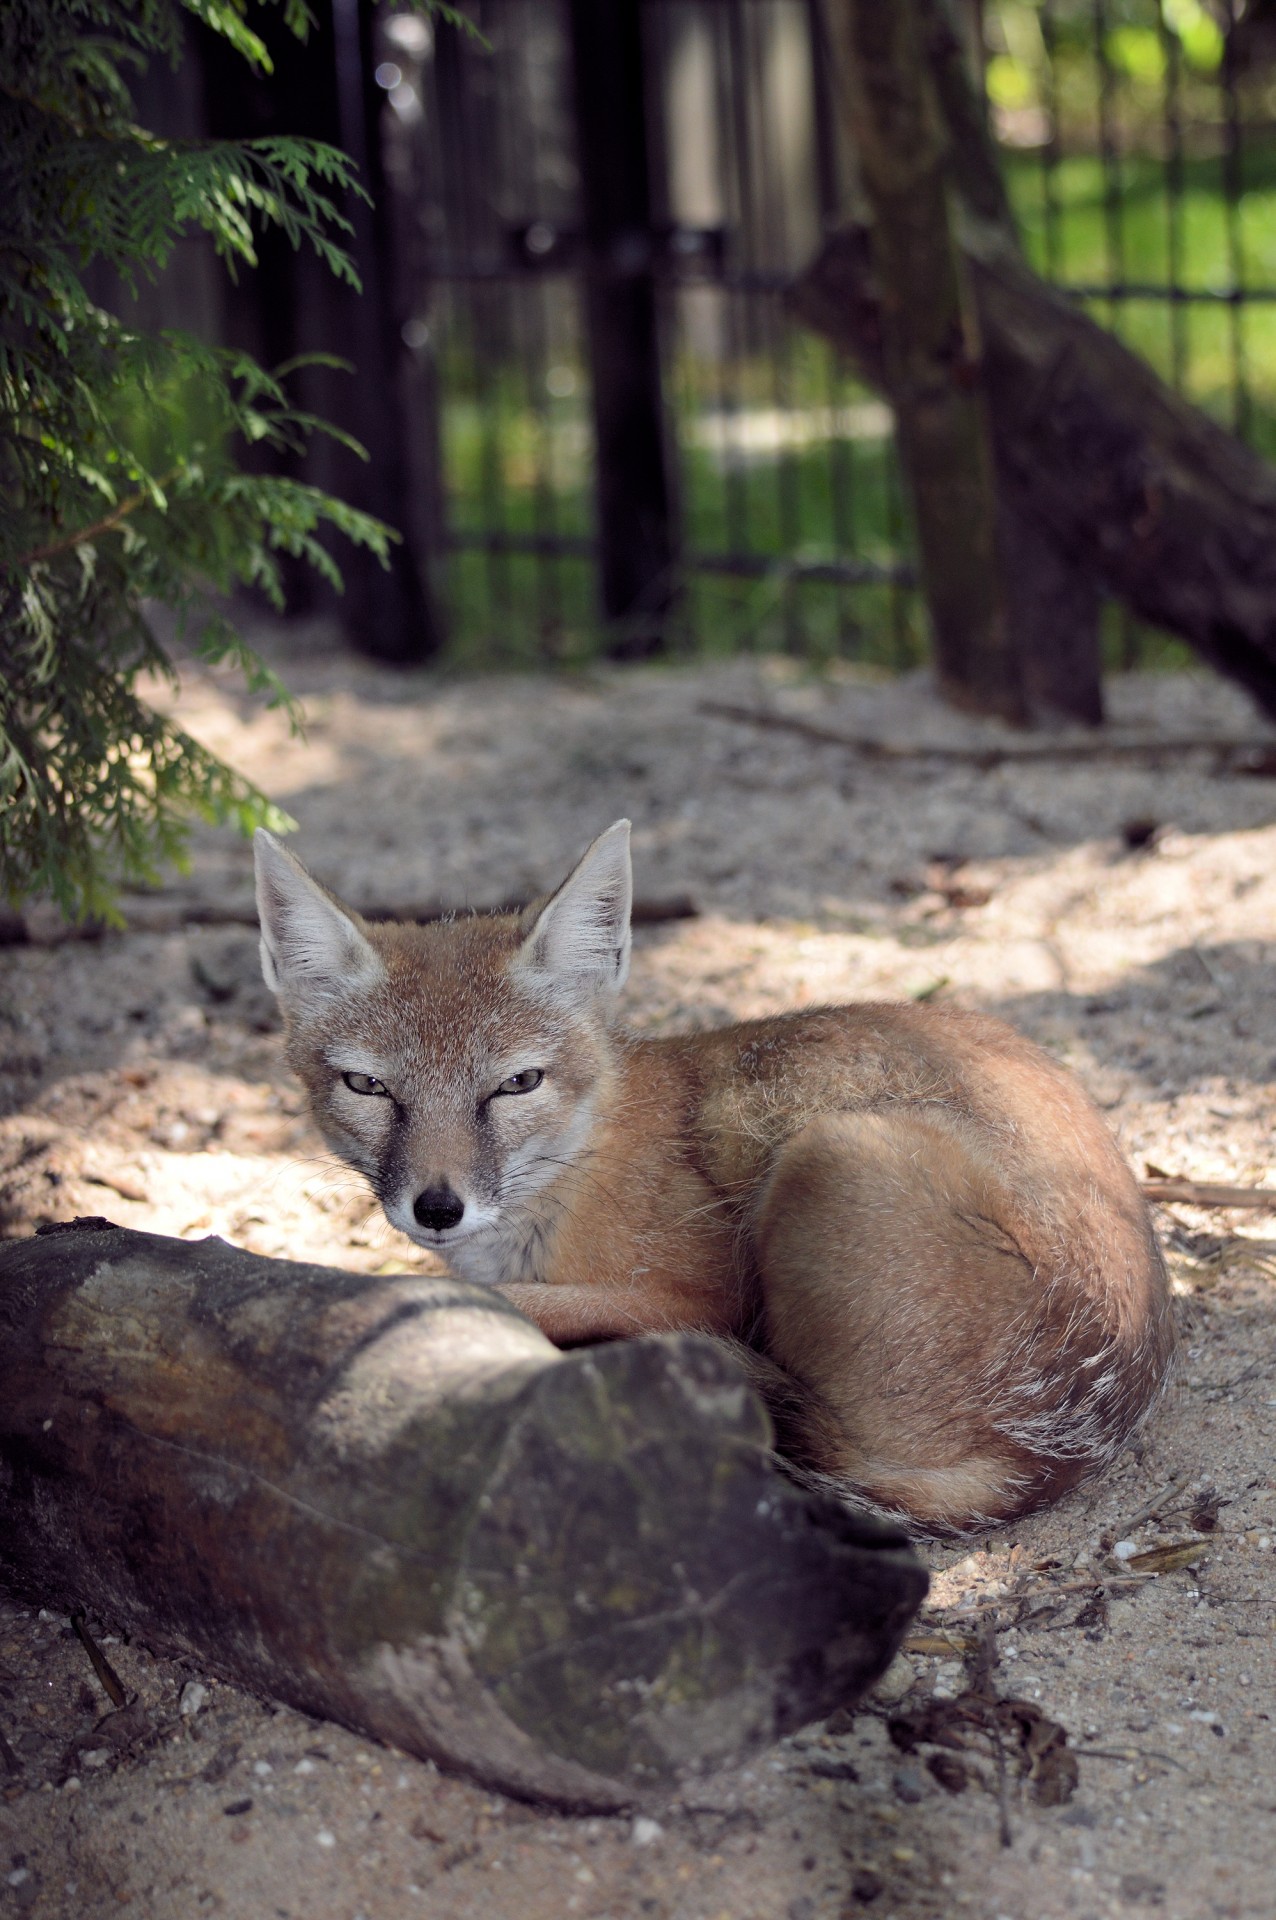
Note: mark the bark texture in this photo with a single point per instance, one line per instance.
(929, 350)
(576, 1576)
(1099, 462)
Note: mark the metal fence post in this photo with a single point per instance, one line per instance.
(292, 306)
(392, 613)
(633, 487)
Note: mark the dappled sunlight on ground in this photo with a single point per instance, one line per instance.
(1120, 909)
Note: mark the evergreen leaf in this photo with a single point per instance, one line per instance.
(120, 477)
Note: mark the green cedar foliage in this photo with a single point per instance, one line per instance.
(119, 485)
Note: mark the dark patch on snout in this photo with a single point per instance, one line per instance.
(438, 1208)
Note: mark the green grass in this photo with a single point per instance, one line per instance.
(780, 455)
(794, 463)
(1222, 359)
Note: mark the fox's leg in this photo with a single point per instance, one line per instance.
(573, 1316)
(893, 1291)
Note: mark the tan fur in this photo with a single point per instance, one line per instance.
(913, 1223)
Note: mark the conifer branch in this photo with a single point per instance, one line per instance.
(99, 419)
(107, 524)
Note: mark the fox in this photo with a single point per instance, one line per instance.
(910, 1223)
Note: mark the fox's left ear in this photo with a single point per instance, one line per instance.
(580, 939)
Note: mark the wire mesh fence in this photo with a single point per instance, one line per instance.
(1139, 141)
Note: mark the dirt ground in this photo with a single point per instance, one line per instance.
(1121, 909)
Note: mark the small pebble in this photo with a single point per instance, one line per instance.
(1079, 1817)
(645, 1832)
(908, 1784)
(1125, 1549)
(191, 1699)
(897, 1680)
(949, 1680)
(304, 1766)
(325, 1839)
(95, 1757)
(262, 1768)
(865, 1884)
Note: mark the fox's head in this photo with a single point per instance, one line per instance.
(457, 1065)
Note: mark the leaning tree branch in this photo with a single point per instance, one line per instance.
(1140, 491)
(1108, 482)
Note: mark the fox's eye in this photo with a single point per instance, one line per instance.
(525, 1082)
(365, 1083)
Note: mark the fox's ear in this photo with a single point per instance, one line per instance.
(311, 949)
(581, 937)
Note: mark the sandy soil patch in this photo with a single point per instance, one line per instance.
(1121, 910)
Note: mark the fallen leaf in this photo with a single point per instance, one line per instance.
(1204, 1514)
(949, 1771)
(1180, 1553)
(938, 1643)
(1055, 1778)
(1094, 1614)
(940, 1723)
(123, 1727)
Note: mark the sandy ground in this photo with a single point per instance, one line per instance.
(142, 1079)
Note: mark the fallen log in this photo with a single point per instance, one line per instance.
(578, 1577)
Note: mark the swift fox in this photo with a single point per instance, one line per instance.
(912, 1223)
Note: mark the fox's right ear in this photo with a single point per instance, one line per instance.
(311, 950)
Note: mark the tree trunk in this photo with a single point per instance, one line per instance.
(577, 1577)
(929, 350)
(1134, 487)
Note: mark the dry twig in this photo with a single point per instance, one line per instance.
(1203, 1193)
(101, 1665)
(1153, 1506)
(1227, 752)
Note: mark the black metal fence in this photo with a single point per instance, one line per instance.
(622, 438)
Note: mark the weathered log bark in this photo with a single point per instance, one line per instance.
(1052, 605)
(929, 352)
(576, 1576)
(1135, 488)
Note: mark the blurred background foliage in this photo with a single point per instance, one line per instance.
(530, 276)
(124, 475)
(1138, 139)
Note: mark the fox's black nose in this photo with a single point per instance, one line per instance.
(438, 1208)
